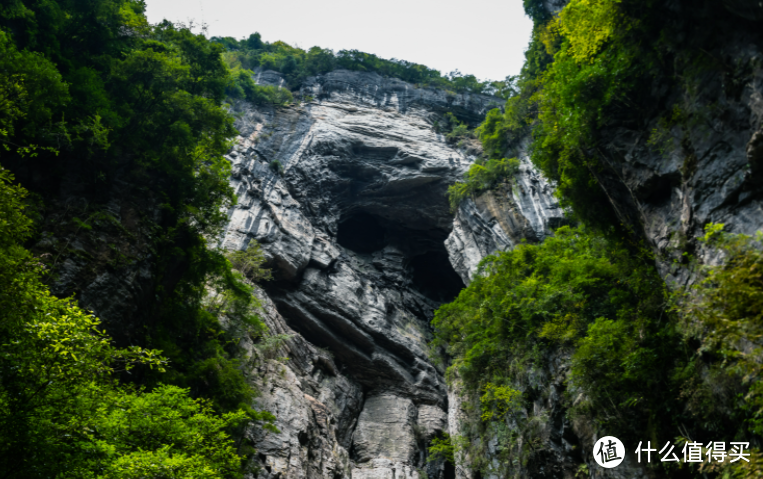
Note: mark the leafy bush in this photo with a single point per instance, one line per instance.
(249, 262)
(276, 167)
(481, 177)
(242, 86)
(442, 448)
(723, 314)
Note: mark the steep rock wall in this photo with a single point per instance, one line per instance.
(347, 195)
(502, 217)
(667, 180)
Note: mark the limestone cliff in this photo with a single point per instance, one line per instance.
(347, 195)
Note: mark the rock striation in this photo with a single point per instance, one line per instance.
(500, 218)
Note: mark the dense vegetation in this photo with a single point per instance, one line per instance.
(636, 369)
(91, 93)
(297, 64)
(582, 65)
(587, 309)
(93, 99)
(63, 410)
(575, 294)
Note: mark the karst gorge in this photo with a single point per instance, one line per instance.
(226, 258)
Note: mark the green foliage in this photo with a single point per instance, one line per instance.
(498, 401)
(635, 368)
(205, 353)
(580, 67)
(481, 177)
(276, 167)
(442, 448)
(249, 262)
(122, 101)
(297, 64)
(31, 89)
(589, 24)
(272, 343)
(577, 89)
(724, 314)
(142, 104)
(576, 290)
(242, 86)
(491, 133)
(63, 412)
(536, 9)
(155, 93)
(454, 129)
(537, 56)
(597, 303)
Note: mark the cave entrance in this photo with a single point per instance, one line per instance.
(434, 276)
(361, 233)
(427, 264)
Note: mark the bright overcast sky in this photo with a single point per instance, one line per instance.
(485, 38)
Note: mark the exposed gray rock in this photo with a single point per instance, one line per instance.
(385, 430)
(432, 420)
(499, 219)
(358, 211)
(315, 405)
(393, 94)
(386, 469)
(354, 228)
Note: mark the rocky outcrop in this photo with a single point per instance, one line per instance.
(499, 219)
(316, 405)
(346, 193)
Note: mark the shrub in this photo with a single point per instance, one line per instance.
(276, 167)
(250, 261)
(481, 177)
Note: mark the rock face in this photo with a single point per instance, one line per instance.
(500, 218)
(667, 181)
(346, 193)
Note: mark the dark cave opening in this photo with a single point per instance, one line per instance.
(450, 470)
(434, 276)
(427, 262)
(362, 233)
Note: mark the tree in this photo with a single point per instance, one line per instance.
(63, 413)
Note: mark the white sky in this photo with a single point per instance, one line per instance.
(485, 38)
